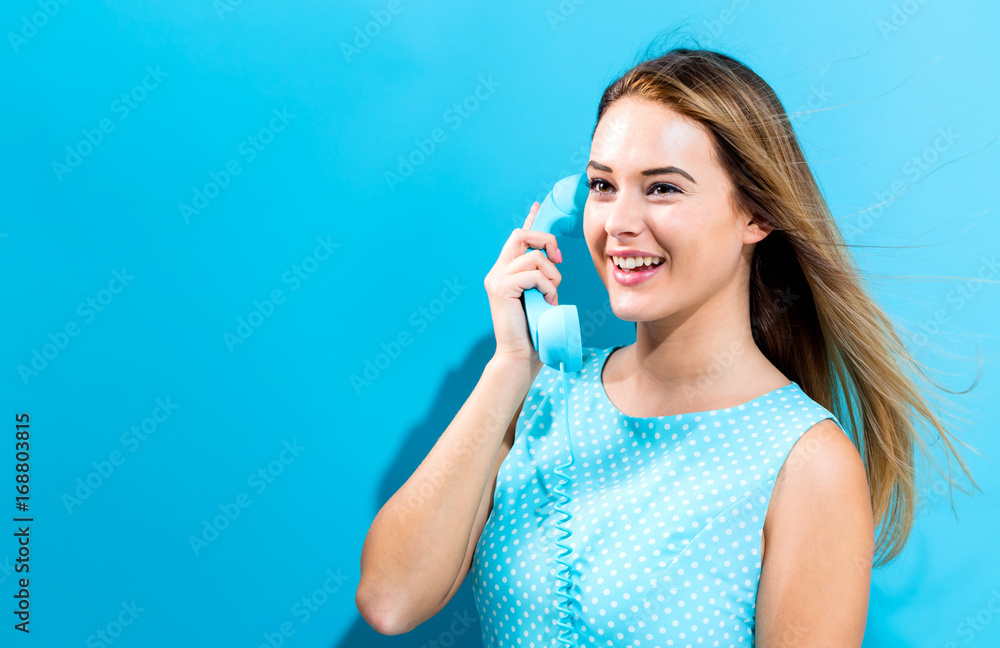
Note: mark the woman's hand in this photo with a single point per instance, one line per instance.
(512, 274)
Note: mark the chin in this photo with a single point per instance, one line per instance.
(629, 312)
(648, 308)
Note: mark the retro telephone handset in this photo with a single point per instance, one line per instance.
(555, 334)
(555, 330)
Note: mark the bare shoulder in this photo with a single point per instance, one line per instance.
(819, 538)
(823, 456)
(823, 474)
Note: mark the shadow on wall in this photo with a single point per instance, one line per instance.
(457, 624)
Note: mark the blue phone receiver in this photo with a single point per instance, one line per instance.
(555, 333)
(555, 330)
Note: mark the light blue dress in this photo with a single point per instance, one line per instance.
(667, 518)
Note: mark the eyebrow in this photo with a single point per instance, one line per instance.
(647, 172)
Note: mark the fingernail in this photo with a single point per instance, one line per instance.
(559, 254)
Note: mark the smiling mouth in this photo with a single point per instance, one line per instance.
(636, 263)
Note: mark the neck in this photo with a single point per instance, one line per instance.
(691, 358)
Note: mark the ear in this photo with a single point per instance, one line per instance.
(755, 230)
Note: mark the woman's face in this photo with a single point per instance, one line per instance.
(657, 191)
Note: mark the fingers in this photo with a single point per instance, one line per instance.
(518, 269)
(531, 215)
(523, 238)
(536, 279)
(535, 260)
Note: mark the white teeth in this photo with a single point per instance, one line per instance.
(633, 262)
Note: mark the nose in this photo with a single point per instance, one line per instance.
(624, 215)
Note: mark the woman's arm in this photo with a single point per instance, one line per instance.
(819, 531)
(419, 547)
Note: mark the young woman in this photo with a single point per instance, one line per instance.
(716, 497)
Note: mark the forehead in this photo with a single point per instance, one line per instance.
(636, 134)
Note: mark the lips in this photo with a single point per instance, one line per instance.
(635, 276)
(630, 262)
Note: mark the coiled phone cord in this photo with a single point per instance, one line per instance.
(564, 575)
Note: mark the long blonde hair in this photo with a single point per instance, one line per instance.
(810, 313)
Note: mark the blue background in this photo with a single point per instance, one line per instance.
(873, 86)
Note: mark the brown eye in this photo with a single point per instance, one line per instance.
(668, 188)
(593, 184)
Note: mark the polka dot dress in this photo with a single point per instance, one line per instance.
(667, 517)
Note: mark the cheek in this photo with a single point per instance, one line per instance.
(592, 227)
(593, 235)
(699, 243)
(710, 255)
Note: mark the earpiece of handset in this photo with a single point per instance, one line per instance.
(555, 330)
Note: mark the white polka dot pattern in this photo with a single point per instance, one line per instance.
(667, 517)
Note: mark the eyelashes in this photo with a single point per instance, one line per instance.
(668, 188)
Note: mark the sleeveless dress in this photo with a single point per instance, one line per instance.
(667, 515)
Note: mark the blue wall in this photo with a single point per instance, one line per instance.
(201, 242)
